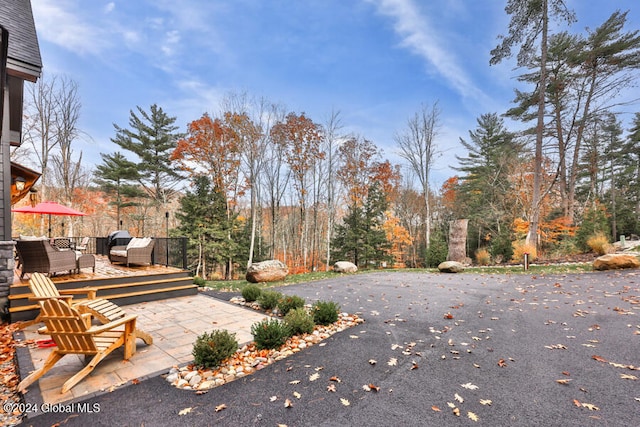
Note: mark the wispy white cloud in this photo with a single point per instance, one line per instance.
(419, 37)
(56, 24)
(109, 7)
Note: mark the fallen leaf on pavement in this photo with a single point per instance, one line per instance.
(469, 386)
(185, 411)
(628, 377)
(458, 398)
(563, 381)
(331, 388)
(297, 395)
(288, 403)
(502, 363)
(435, 408)
(485, 402)
(220, 407)
(472, 416)
(344, 401)
(599, 359)
(372, 362)
(314, 377)
(334, 378)
(590, 406)
(392, 362)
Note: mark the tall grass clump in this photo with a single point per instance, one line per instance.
(599, 243)
(483, 257)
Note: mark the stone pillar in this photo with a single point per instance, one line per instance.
(7, 264)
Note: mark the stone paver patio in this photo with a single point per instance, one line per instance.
(174, 325)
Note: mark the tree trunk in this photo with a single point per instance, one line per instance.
(458, 240)
(536, 201)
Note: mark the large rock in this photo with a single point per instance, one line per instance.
(345, 267)
(267, 271)
(451, 267)
(616, 261)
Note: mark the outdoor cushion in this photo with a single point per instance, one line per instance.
(139, 242)
(116, 252)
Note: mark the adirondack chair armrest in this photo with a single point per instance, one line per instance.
(89, 291)
(96, 329)
(64, 298)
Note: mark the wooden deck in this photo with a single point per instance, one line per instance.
(119, 283)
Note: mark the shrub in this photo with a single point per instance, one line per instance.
(594, 221)
(211, 349)
(325, 312)
(199, 281)
(599, 243)
(483, 257)
(270, 333)
(299, 321)
(287, 303)
(520, 248)
(501, 248)
(251, 293)
(268, 300)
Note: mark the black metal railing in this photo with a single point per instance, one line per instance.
(171, 251)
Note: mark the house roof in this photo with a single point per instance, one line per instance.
(23, 58)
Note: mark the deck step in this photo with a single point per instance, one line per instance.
(121, 290)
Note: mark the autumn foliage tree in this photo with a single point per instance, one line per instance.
(212, 148)
(300, 138)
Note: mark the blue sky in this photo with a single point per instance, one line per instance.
(376, 61)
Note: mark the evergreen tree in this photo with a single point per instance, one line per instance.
(116, 176)
(493, 153)
(203, 219)
(361, 238)
(152, 137)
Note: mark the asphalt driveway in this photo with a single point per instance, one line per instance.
(435, 350)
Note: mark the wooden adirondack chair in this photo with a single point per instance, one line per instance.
(68, 329)
(104, 310)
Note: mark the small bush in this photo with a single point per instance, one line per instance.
(270, 333)
(299, 321)
(599, 243)
(325, 312)
(268, 300)
(287, 303)
(251, 293)
(199, 281)
(483, 257)
(211, 349)
(520, 248)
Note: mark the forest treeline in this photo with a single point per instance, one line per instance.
(255, 181)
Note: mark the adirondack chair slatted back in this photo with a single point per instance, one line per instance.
(67, 328)
(42, 286)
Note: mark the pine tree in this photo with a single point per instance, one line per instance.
(152, 137)
(116, 176)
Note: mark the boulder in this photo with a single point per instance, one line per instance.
(616, 261)
(345, 267)
(451, 267)
(266, 271)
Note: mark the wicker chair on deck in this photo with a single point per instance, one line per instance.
(138, 251)
(38, 256)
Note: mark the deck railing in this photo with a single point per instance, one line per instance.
(170, 251)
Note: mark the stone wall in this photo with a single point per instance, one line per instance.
(7, 264)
